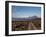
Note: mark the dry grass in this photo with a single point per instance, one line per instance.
(26, 25)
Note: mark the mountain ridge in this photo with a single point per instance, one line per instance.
(25, 19)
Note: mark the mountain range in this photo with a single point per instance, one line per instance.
(26, 19)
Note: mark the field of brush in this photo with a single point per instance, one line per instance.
(26, 25)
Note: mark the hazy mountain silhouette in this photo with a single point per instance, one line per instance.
(26, 19)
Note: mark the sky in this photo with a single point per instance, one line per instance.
(25, 11)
